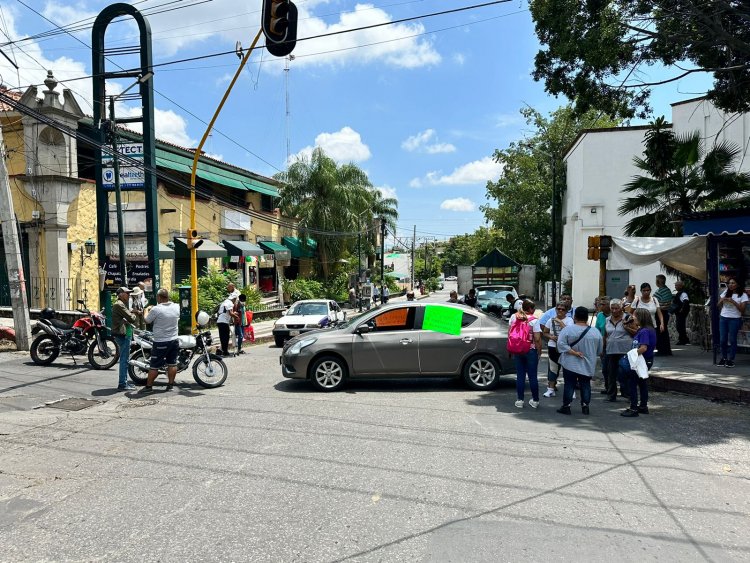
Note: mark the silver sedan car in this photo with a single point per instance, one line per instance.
(391, 342)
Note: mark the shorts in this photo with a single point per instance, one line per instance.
(164, 353)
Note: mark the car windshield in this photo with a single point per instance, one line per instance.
(487, 294)
(309, 309)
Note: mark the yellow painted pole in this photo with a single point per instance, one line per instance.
(192, 231)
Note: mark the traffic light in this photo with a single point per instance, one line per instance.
(279, 23)
(594, 242)
(192, 239)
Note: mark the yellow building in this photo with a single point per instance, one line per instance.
(52, 180)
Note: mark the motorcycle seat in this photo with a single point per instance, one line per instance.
(62, 325)
(187, 341)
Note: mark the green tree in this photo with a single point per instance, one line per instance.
(328, 199)
(592, 51)
(680, 177)
(521, 200)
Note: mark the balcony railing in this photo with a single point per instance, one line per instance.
(61, 294)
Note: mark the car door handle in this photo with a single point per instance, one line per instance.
(468, 339)
(406, 341)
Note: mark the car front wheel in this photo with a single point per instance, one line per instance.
(481, 373)
(328, 373)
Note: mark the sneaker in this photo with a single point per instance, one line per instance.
(722, 362)
(564, 410)
(519, 404)
(585, 409)
(170, 386)
(729, 364)
(549, 393)
(642, 410)
(628, 413)
(127, 387)
(533, 404)
(146, 389)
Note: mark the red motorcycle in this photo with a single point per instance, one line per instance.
(88, 335)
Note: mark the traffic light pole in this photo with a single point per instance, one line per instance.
(193, 232)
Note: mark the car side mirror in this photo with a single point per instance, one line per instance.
(363, 329)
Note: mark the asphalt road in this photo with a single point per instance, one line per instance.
(265, 469)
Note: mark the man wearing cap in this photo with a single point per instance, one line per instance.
(122, 321)
(225, 320)
(137, 305)
(163, 318)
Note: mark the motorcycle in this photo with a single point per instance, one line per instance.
(209, 370)
(88, 335)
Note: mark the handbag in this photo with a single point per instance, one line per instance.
(637, 363)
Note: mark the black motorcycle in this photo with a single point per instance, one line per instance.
(87, 335)
(209, 370)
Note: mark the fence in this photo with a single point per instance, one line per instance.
(61, 294)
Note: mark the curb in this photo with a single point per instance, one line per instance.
(706, 390)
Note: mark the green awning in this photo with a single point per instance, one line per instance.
(281, 252)
(298, 249)
(242, 248)
(206, 250)
(165, 253)
(213, 173)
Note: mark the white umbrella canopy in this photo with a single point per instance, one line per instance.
(686, 254)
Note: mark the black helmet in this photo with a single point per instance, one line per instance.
(47, 313)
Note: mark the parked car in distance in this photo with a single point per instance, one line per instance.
(304, 316)
(492, 298)
(451, 278)
(392, 342)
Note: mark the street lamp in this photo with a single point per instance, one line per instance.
(87, 250)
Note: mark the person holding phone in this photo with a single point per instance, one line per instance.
(732, 303)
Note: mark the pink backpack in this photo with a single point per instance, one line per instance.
(519, 337)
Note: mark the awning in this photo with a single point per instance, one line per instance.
(242, 248)
(206, 250)
(282, 253)
(298, 249)
(213, 173)
(165, 253)
(686, 254)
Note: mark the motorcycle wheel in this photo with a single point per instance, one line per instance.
(211, 373)
(44, 350)
(106, 360)
(138, 375)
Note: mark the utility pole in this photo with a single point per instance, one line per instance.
(382, 257)
(413, 239)
(16, 277)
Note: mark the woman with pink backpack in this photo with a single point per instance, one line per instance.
(525, 344)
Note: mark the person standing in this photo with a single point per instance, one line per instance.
(386, 294)
(239, 322)
(551, 332)
(565, 299)
(453, 298)
(681, 310)
(648, 302)
(122, 331)
(137, 306)
(732, 303)
(618, 340)
(470, 299)
(645, 342)
(579, 346)
(528, 363)
(225, 320)
(664, 297)
(163, 318)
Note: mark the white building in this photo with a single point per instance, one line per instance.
(599, 164)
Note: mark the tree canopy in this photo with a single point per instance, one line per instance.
(592, 51)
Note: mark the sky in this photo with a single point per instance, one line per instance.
(419, 105)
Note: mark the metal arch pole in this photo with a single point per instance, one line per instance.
(193, 252)
(554, 230)
(118, 194)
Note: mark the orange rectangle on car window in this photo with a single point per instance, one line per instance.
(397, 317)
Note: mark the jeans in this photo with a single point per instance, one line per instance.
(571, 378)
(612, 361)
(728, 329)
(638, 385)
(526, 364)
(239, 336)
(124, 343)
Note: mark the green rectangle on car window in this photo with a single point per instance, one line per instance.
(442, 319)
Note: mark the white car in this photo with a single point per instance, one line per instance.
(451, 278)
(304, 316)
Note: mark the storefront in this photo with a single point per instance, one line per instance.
(303, 254)
(727, 256)
(271, 264)
(242, 256)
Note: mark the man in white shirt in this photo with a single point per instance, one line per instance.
(163, 318)
(225, 320)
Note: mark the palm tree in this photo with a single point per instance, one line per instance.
(681, 178)
(326, 199)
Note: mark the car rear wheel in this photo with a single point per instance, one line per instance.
(481, 373)
(328, 373)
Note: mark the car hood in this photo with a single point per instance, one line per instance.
(301, 319)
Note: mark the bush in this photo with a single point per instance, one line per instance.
(302, 288)
(212, 288)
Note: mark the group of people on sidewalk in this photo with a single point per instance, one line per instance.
(624, 334)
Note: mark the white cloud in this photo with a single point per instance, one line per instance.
(415, 183)
(342, 146)
(169, 126)
(215, 156)
(387, 192)
(477, 172)
(458, 204)
(508, 120)
(459, 59)
(419, 142)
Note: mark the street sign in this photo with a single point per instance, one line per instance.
(132, 175)
(134, 248)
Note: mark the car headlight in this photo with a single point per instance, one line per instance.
(304, 343)
(313, 325)
(279, 325)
